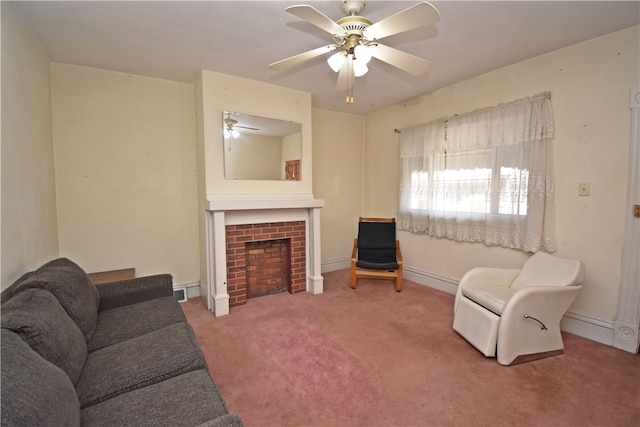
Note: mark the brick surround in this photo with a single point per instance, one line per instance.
(236, 238)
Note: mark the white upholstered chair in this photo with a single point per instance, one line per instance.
(514, 314)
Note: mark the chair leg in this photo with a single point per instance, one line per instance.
(398, 282)
(354, 279)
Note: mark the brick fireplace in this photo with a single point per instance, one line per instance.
(231, 222)
(265, 258)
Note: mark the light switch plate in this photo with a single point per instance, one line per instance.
(584, 189)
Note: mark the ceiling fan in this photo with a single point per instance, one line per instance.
(356, 41)
(231, 127)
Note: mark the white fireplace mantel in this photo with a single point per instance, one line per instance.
(260, 202)
(257, 209)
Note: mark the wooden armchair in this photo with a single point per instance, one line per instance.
(376, 252)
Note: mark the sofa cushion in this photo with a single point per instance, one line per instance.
(73, 289)
(34, 391)
(131, 321)
(186, 400)
(39, 319)
(139, 362)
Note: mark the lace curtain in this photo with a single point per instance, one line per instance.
(483, 177)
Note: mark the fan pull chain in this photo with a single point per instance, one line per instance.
(350, 83)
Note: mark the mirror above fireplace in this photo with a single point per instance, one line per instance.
(260, 148)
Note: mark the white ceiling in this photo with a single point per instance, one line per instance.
(175, 39)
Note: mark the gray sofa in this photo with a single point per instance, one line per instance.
(117, 354)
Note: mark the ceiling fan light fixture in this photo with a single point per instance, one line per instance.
(336, 60)
(362, 53)
(355, 36)
(359, 68)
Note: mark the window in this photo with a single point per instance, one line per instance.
(481, 177)
(466, 184)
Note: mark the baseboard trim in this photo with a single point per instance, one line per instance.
(435, 281)
(335, 264)
(585, 326)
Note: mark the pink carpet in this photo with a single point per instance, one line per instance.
(375, 357)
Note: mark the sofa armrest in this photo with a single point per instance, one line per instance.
(226, 420)
(131, 291)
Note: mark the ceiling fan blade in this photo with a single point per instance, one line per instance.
(419, 15)
(301, 57)
(317, 18)
(399, 59)
(245, 127)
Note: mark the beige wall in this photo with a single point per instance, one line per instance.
(29, 231)
(125, 160)
(221, 92)
(338, 179)
(590, 84)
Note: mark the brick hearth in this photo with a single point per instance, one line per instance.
(236, 238)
